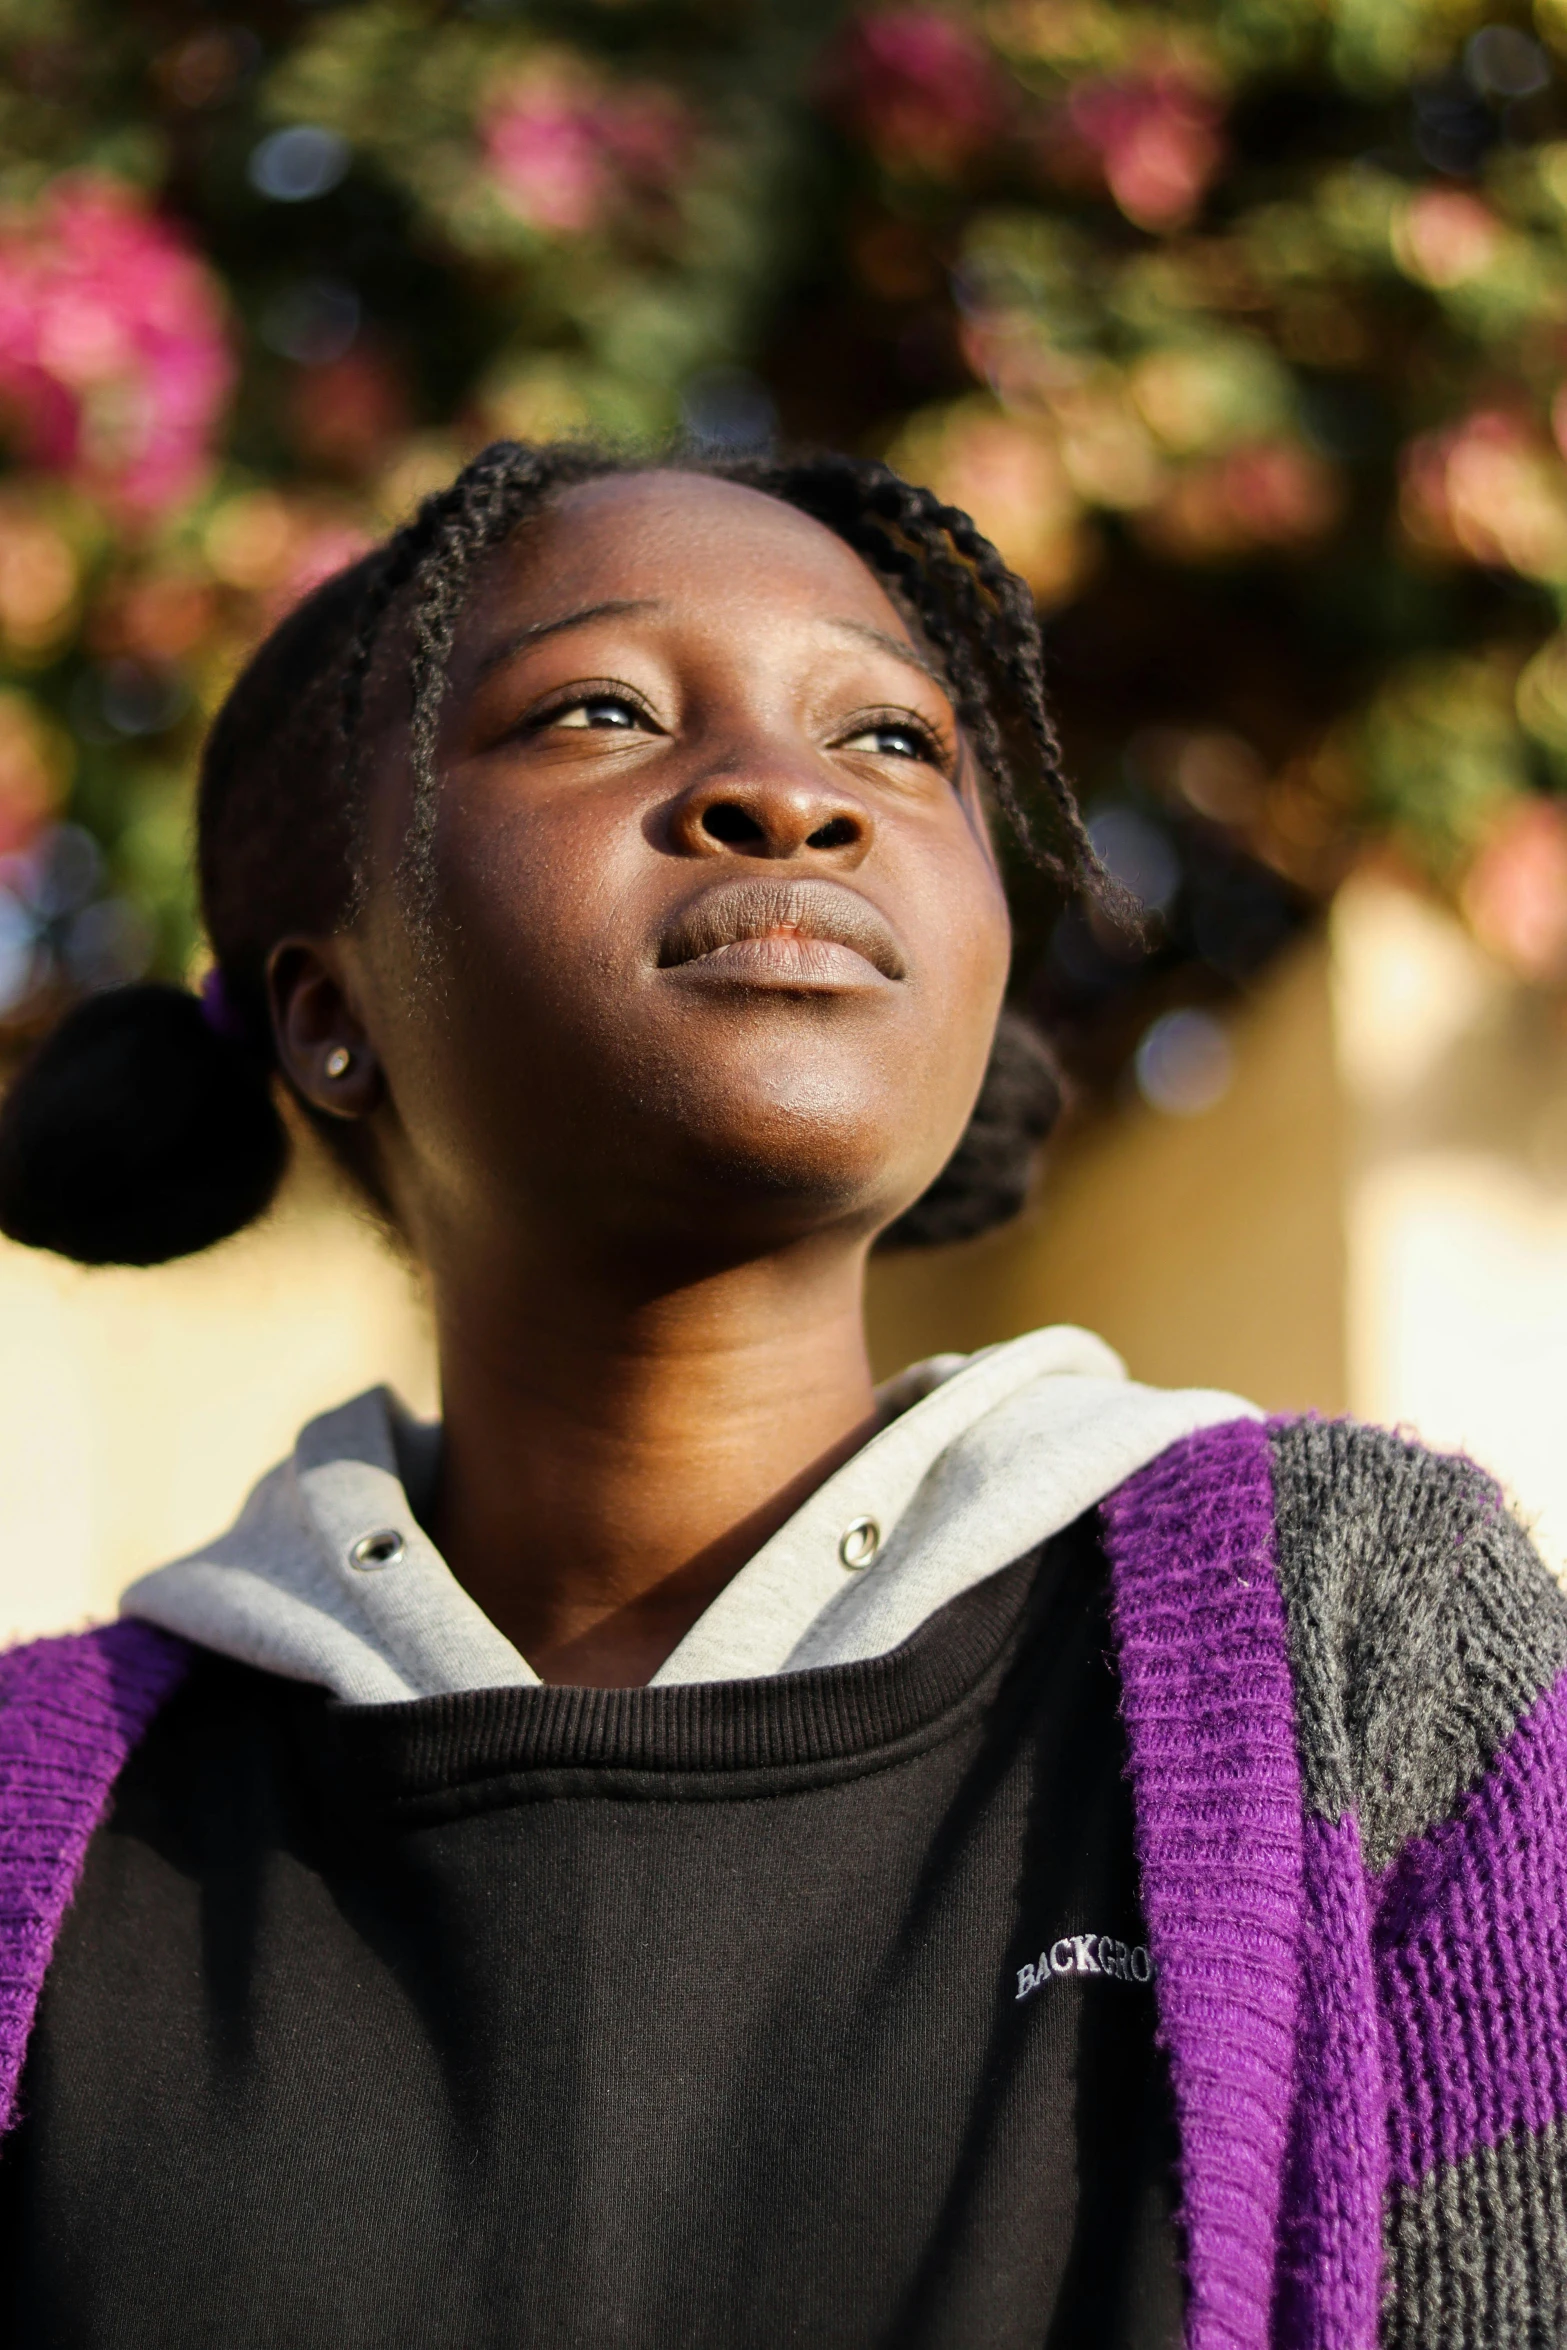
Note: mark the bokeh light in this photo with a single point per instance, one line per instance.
(1184, 1064)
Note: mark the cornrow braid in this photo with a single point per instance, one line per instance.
(394, 566)
(503, 486)
(403, 557)
(91, 1166)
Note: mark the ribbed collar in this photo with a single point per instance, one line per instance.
(693, 1738)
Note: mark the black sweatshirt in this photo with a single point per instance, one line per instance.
(808, 2010)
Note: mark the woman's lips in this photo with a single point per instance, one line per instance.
(783, 958)
(800, 934)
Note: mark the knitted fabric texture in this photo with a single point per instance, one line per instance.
(1401, 2175)
(1427, 1647)
(1200, 1630)
(70, 1712)
(1343, 1675)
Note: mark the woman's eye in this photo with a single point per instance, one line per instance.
(894, 738)
(598, 710)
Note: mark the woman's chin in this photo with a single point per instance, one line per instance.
(805, 1179)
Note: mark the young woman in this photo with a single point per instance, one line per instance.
(695, 1850)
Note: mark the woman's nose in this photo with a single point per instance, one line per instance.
(782, 816)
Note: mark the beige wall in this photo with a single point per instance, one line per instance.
(1455, 1090)
(136, 1408)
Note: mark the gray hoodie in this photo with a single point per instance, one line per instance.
(327, 1575)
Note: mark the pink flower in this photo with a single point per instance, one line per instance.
(1515, 893)
(329, 548)
(921, 89)
(567, 154)
(548, 154)
(1490, 488)
(114, 364)
(1258, 494)
(1157, 141)
(1446, 237)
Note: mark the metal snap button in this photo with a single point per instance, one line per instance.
(380, 1549)
(860, 1543)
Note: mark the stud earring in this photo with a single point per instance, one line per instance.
(339, 1061)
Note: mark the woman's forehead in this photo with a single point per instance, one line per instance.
(671, 535)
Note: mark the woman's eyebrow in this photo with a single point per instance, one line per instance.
(520, 638)
(898, 647)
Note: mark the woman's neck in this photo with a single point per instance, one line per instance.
(610, 1460)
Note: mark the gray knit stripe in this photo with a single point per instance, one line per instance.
(1422, 1623)
(1477, 2253)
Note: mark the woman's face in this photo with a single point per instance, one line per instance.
(718, 939)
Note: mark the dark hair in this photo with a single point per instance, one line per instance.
(142, 1129)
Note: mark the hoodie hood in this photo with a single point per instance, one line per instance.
(327, 1575)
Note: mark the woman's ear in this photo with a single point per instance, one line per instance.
(322, 1047)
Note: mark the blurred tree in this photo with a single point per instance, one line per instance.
(1241, 325)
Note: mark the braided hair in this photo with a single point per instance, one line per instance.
(147, 1126)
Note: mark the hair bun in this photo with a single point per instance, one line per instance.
(986, 1181)
(134, 1133)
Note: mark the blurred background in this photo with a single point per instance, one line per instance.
(1240, 325)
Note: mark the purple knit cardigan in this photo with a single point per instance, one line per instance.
(1324, 2051)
